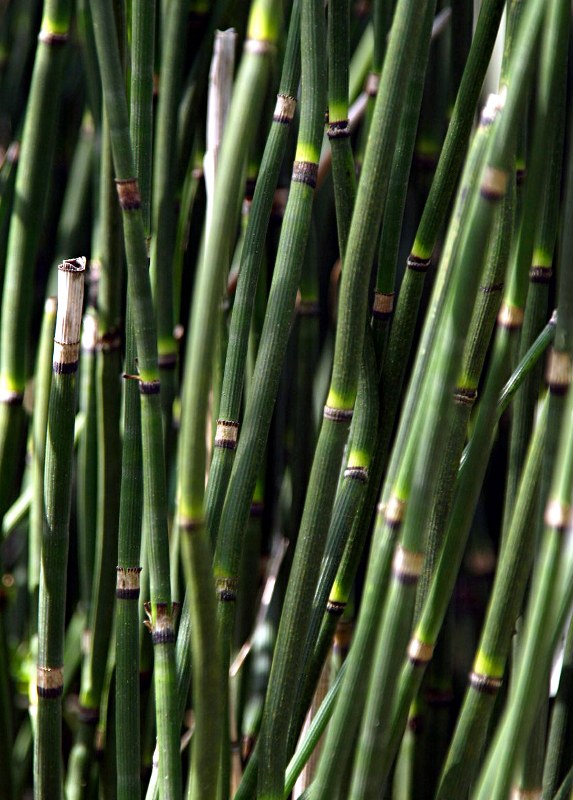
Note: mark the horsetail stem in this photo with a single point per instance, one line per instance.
(139, 293)
(58, 471)
(231, 390)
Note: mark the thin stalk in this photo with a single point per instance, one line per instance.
(164, 219)
(243, 116)
(141, 94)
(58, 473)
(539, 227)
(107, 389)
(42, 382)
(251, 258)
(127, 701)
(339, 404)
(347, 715)
(139, 293)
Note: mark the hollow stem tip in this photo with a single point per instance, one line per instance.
(69, 315)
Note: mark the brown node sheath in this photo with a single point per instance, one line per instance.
(383, 305)
(357, 474)
(128, 193)
(518, 793)
(520, 176)
(418, 264)
(407, 565)
(305, 172)
(257, 508)
(226, 589)
(491, 288)
(338, 130)
(149, 387)
(189, 524)
(50, 38)
(49, 682)
(394, 512)
(419, 653)
(540, 274)
(335, 607)
(558, 375)
(284, 109)
(162, 631)
(226, 434)
(484, 684)
(494, 184)
(258, 47)
(557, 515)
(127, 583)
(110, 342)
(167, 360)
(338, 414)
(11, 397)
(510, 317)
(89, 716)
(372, 84)
(307, 308)
(465, 396)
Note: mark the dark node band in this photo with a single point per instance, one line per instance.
(284, 109)
(335, 607)
(520, 176)
(149, 387)
(257, 509)
(484, 684)
(305, 172)
(464, 396)
(50, 38)
(167, 361)
(418, 264)
(540, 274)
(439, 698)
(357, 474)
(110, 342)
(11, 398)
(308, 308)
(226, 589)
(416, 724)
(127, 594)
(338, 130)
(50, 693)
(163, 636)
(226, 434)
(383, 305)
(65, 368)
(88, 715)
(491, 288)
(128, 194)
(338, 414)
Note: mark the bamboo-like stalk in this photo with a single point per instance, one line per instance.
(107, 388)
(388, 521)
(243, 116)
(58, 467)
(339, 403)
(42, 382)
(231, 390)
(417, 488)
(161, 611)
(164, 219)
(127, 701)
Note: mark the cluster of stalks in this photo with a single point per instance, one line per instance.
(286, 467)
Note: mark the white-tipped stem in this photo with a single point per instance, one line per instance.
(69, 317)
(218, 101)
